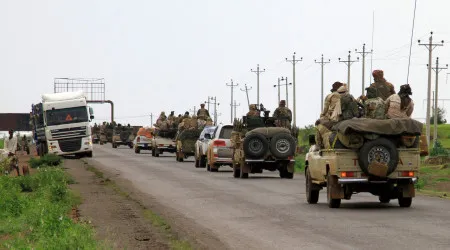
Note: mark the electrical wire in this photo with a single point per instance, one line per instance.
(412, 34)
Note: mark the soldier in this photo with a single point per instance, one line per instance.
(186, 122)
(374, 105)
(10, 147)
(202, 113)
(400, 105)
(25, 144)
(330, 101)
(348, 106)
(209, 121)
(253, 111)
(283, 114)
(384, 88)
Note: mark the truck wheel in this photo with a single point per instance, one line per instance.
(137, 150)
(89, 154)
(203, 161)
(404, 201)
(282, 145)
(332, 203)
(384, 199)
(236, 170)
(114, 145)
(312, 194)
(379, 150)
(255, 146)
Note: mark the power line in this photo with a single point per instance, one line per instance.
(294, 62)
(349, 62)
(322, 63)
(231, 103)
(410, 46)
(363, 53)
(257, 71)
(430, 46)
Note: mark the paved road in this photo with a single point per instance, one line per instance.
(266, 212)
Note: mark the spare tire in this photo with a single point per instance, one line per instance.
(124, 136)
(282, 145)
(255, 146)
(380, 150)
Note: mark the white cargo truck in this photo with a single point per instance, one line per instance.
(61, 124)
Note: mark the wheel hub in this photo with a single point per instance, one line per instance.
(283, 146)
(379, 154)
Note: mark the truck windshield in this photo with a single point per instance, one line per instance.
(67, 115)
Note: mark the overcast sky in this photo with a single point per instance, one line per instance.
(172, 55)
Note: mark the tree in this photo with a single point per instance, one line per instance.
(440, 116)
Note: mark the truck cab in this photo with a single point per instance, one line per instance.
(61, 124)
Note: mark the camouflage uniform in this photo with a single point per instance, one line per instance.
(384, 88)
(349, 106)
(202, 113)
(284, 114)
(374, 106)
(253, 111)
(209, 121)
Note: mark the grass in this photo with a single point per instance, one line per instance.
(35, 213)
(1, 143)
(299, 163)
(157, 221)
(434, 179)
(443, 134)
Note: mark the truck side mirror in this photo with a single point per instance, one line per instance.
(312, 140)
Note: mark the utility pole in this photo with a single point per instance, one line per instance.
(208, 102)
(193, 110)
(287, 92)
(278, 85)
(246, 92)
(151, 120)
(430, 46)
(349, 62)
(363, 53)
(322, 63)
(436, 97)
(257, 71)
(294, 61)
(235, 105)
(231, 103)
(215, 103)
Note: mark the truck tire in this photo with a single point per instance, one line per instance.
(384, 199)
(404, 201)
(382, 148)
(255, 146)
(137, 150)
(89, 154)
(203, 161)
(312, 193)
(332, 203)
(282, 145)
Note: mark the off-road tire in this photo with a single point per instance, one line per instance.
(214, 169)
(255, 146)
(404, 201)
(384, 199)
(332, 203)
(282, 145)
(312, 194)
(114, 145)
(137, 150)
(370, 147)
(203, 161)
(130, 145)
(236, 171)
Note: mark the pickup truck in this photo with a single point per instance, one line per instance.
(384, 161)
(163, 141)
(201, 146)
(219, 151)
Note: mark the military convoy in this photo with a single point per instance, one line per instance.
(122, 136)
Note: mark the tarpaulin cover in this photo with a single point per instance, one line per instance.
(382, 127)
(147, 132)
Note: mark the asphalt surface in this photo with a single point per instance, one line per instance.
(266, 212)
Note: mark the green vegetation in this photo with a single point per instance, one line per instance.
(443, 134)
(35, 212)
(438, 150)
(303, 144)
(48, 160)
(434, 179)
(1, 143)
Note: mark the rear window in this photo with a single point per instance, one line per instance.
(225, 133)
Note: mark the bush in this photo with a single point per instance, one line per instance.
(50, 160)
(438, 150)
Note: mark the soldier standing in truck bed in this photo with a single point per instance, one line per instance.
(202, 113)
(384, 88)
(284, 115)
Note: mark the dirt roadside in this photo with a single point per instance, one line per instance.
(126, 218)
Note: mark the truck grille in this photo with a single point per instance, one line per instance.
(68, 132)
(70, 145)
